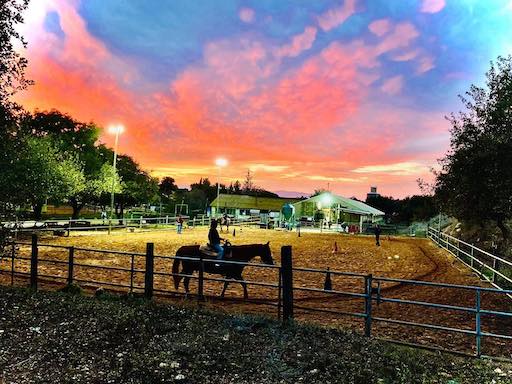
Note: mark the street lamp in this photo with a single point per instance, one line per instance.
(114, 130)
(219, 162)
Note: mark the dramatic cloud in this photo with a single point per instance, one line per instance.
(300, 96)
(432, 6)
(380, 27)
(299, 43)
(336, 16)
(406, 168)
(393, 85)
(246, 15)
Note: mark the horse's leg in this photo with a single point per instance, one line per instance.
(226, 283)
(186, 281)
(244, 286)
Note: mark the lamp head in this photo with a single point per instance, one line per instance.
(116, 129)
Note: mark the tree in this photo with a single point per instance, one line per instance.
(12, 64)
(474, 183)
(41, 172)
(12, 79)
(167, 187)
(237, 188)
(248, 182)
(319, 191)
(80, 140)
(137, 187)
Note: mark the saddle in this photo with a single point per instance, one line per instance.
(210, 253)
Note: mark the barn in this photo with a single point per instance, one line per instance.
(244, 206)
(336, 212)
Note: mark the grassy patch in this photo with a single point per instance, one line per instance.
(57, 337)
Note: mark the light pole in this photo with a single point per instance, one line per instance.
(220, 162)
(114, 130)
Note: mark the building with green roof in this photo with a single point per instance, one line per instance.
(336, 210)
(244, 206)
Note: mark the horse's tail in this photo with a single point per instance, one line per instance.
(175, 269)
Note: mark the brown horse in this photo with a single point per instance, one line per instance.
(239, 253)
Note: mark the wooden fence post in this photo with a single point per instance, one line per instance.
(33, 263)
(148, 276)
(287, 279)
(13, 255)
(368, 305)
(71, 263)
(200, 282)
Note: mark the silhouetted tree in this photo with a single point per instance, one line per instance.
(474, 183)
(12, 64)
(167, 187)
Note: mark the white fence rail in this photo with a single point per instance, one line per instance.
(489, 267)
(68, 225)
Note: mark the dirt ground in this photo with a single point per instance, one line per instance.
(397, 257)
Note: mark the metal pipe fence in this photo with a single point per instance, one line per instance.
(494, 269)
(371, 292)
(65, 226)
(149, 274)
(137, 274)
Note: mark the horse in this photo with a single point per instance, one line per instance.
(224, 221)
(239, 253)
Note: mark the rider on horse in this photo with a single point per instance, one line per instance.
(214, 239)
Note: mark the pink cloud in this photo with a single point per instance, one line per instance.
(299, 43)
(401, 36)
(380, 27)
(425, 64)
(432, 6)
(406, 55)
(240, 101)
(393, 85)
(246, 15)
(337, 16)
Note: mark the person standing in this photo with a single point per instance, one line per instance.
(103, 215)
(179, 224)
(377, 231)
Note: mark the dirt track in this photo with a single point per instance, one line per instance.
(405, 258)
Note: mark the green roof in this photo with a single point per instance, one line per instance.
(345, 204)
(251, 202)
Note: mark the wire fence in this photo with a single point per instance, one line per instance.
(384, 307)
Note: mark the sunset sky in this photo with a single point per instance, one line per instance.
(303, 93)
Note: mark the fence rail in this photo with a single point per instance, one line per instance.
(68, 225)
(367, 295)
(494, 269)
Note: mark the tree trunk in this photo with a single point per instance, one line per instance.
(505, 231)
(503, 246)
(77, 207)
(38, 209)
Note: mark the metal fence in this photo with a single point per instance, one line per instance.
(492, 268)
(281, 287)
(62, 227)
(143, 273)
